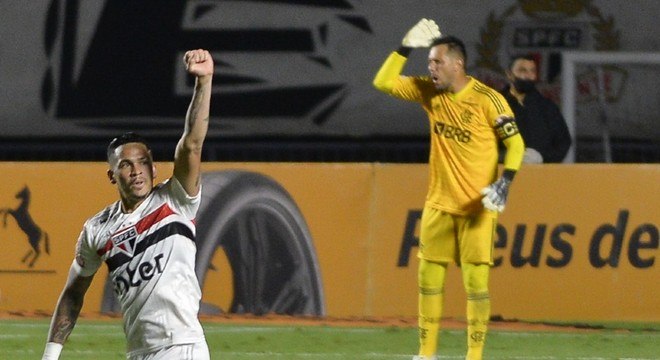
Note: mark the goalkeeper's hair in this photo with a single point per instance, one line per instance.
(454, 44)
(129, 137)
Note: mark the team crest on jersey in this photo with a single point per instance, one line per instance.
(466, 117)
(125, 240)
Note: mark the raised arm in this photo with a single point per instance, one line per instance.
(389, 72)
(66, 312)
(420, 35)
(188, 154)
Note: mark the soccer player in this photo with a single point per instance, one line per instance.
(459, 218)
(147, 240)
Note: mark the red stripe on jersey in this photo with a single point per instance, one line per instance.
(105, 248)
(159, 214)
(144, 224)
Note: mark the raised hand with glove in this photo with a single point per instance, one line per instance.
(422, 34)
(450, 214)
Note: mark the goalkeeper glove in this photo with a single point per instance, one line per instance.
(422, 34)
(496, 193)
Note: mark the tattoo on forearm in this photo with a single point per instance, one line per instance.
(62, 329)
(65, 320)
(194, 109)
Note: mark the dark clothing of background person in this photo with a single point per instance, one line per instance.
(541, 125)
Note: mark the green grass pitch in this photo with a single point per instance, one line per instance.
(103, 339)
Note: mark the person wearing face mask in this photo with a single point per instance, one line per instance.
(539, 120)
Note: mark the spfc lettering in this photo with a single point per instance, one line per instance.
(125, 240)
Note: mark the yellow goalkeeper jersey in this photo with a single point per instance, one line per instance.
(464, 148)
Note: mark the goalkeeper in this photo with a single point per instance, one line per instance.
(465, 194)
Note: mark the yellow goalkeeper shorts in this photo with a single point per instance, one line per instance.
(446, 237)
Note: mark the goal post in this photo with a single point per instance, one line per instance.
(569, 85)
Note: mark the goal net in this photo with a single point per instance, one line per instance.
(611, 102)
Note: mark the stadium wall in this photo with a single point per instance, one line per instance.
(295, 69)
(576, 242)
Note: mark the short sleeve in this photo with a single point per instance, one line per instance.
(186, 204)
(86, 256)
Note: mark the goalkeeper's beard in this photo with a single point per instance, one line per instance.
(439, 86)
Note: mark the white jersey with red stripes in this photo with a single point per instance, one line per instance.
(150, 254)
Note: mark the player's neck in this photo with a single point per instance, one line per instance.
(459, 84)
(129, 205)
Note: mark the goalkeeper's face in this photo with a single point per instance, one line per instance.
(444, 67)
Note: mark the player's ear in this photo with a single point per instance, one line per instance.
(460, 64)
(111, 176)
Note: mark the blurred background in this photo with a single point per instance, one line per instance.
(293, 77)
(332, 170)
